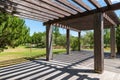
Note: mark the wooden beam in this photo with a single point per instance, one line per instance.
(32, 18)
(95, 3)
(49, 54)
(47, 6)
(35, 15)
(68, 4)
(68, 40)
(112, 42)
(59, 6)
(66, 27)
(109, 19)
(82, 4)
(108, 2)
(98, 43)
(31, 8)
(32, 11)
(86, 13)
(36, 7)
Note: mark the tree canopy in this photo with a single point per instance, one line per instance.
(118, 38)
(13, 31)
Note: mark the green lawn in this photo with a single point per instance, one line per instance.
(22, 52)
(105, 49)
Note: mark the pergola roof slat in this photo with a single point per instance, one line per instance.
(49, 7)
(30, 17)
(95, 3)
(82, 4)
(27, 13)
(108, 2)
(57, 5)
(26, 4)
(65, 2)
(64, 13)
(102, 9)
(109, 19)
(35, 12)
(32, 10)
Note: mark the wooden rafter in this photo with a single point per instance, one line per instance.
(28, 17)
(57, 5)
(102, 9)
(61, 11)
(109, 19)
(31, 16)
(39, 16)
(35, 12)
(66, 3)
(82, 4)
(41, 9)
(108, 2)
(95, 3)
(32, 8)
(39, 3)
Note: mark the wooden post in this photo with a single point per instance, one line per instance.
(98, 43)
(49, 43)
(68, 41)
(112, 42)
(79, 43)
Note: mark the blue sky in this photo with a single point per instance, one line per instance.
(36, 26)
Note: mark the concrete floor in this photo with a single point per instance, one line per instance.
(76, 66)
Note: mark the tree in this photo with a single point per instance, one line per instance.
(74, 43)
(61, 40)
(118, 39)
(13, 31)
(106, 37)
(56, 34)
(39, 39)
(88, 39)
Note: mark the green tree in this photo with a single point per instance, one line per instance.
(13, 31)
(74, 43)
(61, 40)
(106, 37)
(56, 34)
(88, 39)
(38, 39)
(118, 39)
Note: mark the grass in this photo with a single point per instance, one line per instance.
(22, 52)
(105, 49)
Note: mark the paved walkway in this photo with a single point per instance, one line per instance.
(76, 66)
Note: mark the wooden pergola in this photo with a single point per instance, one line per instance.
(71, 15)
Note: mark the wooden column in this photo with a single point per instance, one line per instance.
(98, 43)
(49, 42)
(68, 41)
(112, 42)
(79, 43)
